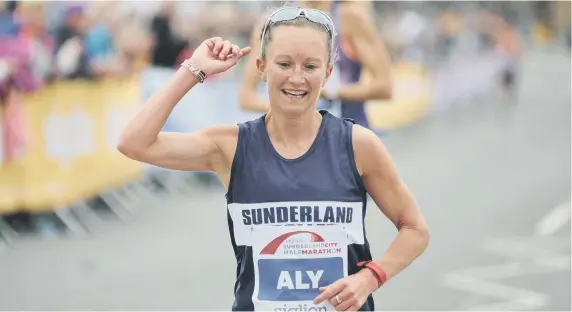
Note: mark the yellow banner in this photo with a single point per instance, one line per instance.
(71, 154)
(411, 98)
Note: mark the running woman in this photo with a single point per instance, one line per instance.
(359, 48)
(296, 177)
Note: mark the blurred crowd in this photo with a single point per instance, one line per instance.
(45, 41)
(42, 42)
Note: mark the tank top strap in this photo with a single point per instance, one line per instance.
(351, 120)
(348, 126)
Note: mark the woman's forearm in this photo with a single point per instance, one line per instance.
(361, 92)
(251, 101)
(142, 131)
(406, 247)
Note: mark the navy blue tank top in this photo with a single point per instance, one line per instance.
(350, 73)
(295, 224)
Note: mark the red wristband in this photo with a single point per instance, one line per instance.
(376, 269)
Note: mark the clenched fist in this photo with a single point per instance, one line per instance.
(215, 55)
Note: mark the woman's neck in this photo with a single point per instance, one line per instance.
(293, 131)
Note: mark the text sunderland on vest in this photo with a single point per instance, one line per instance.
(297, 214)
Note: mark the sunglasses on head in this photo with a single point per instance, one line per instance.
(291, 13)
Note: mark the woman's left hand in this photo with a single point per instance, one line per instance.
(349, 293)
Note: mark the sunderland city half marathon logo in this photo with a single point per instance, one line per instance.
(294, 265)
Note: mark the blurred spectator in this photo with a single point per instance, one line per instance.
(167, 45)
(25, 46)
(34, 34)
(509, 45)
(99, 44)
(450, 26)
(8, 26)
(112, 40)
(72, 58)
(133, 45)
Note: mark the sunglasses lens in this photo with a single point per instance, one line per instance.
(285, 14)
(319, 17)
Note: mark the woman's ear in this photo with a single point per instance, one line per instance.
(328, 74)
(261, 66)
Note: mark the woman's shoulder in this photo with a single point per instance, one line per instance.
(222, 130)
(228, 134)
(222, 135)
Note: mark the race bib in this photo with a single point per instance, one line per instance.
(291, 263)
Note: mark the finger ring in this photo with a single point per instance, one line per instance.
(338, 299)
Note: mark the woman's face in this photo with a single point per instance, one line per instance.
(296, 67)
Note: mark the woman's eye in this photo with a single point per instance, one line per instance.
(285, 65)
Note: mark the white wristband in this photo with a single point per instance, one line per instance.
(195, 70)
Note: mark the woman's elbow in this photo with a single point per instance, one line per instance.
(420, 231)
(384, 91)
(126, 147)
(423, 236)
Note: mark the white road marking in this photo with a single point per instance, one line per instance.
(558, 217)
(525, 257)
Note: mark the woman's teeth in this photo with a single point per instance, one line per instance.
(294, 94)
